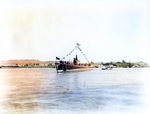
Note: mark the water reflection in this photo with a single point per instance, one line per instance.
(26, 88)
(38, 91)
(23, 87)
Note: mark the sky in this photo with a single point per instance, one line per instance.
(108, 30)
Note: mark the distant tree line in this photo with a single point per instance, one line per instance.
(123, 64)
(37, 65)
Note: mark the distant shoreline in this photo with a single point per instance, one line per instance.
(33, 63)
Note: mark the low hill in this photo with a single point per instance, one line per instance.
(23, 62)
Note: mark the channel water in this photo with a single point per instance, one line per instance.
(44, 91)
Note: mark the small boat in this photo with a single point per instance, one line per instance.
(107, 68)
(74, 65)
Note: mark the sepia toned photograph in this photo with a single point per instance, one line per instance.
(74, 57)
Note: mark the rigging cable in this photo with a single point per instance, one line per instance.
(77, 46)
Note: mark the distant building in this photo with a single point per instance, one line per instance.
(140, 64)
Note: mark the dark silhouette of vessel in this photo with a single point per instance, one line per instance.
(74, 65)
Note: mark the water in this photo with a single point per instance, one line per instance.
(43, 91)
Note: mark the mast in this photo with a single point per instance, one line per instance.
(77, 45)
(76, 57)
(76, 52)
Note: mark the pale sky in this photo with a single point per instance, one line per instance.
(108, 30)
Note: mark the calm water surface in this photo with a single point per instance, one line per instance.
(43, 91)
